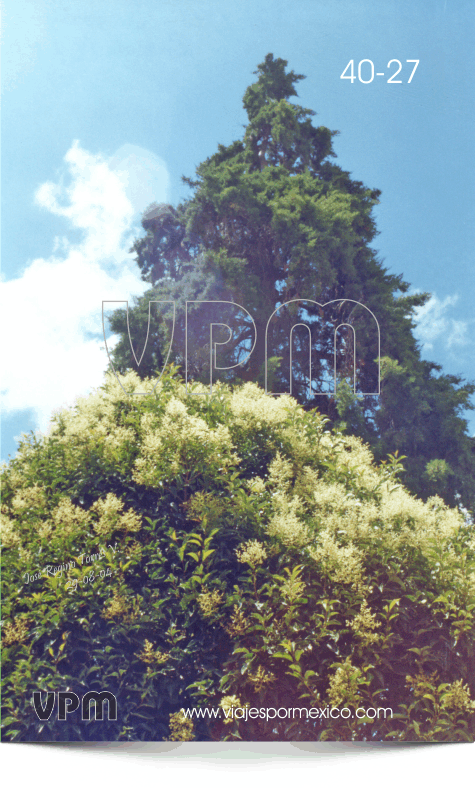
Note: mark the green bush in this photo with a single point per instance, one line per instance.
(214, 551)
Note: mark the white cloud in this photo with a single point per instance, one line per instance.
(435, 324)
(143, 174)
(50, 312)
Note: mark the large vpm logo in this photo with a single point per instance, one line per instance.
(68, 702)
(281, 319)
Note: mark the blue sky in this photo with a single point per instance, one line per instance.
(106, 104)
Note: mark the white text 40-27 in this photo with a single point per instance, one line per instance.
(366, 71)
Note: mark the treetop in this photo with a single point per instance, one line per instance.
(273, 84)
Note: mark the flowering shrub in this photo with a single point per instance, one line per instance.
(202, 551)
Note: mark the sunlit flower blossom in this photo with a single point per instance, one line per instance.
(252, 552)
(10, 538)
(209, 602)
(16, 632)
(181, 727)
(261, 678)
(151, 656)
(343, 688)
(364, 624)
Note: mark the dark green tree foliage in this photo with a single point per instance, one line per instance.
(421, 416)
(273, 219)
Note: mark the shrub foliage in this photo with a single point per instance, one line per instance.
(187, 550)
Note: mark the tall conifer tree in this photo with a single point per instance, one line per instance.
(272, 219)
